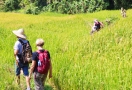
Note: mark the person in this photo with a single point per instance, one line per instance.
(17, 51)
(108, 22)
(123, 12)
(96, 27)
(39, 78)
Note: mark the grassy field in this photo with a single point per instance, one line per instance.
(81, 61)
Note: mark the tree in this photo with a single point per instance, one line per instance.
(110, 4)
(11, 5)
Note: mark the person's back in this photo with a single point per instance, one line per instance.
(19, 45)
(122, 11)
(97, 24)
(96, 27)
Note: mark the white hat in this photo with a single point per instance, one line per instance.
(20, 33)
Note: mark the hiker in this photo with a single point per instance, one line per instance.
(108, 22)
(123, 12)
(41, 57)
(96, 27)
(18, 49)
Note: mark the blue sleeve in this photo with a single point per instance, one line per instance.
(35, 56)
(16, 46)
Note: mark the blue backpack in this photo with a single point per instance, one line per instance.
(26, 55)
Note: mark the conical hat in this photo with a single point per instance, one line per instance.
(20, 33)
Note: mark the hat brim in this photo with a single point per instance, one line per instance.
(19, 35)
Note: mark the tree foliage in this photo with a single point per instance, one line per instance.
(10, 5)
(75, 6)
(117, 4)
(65, 6)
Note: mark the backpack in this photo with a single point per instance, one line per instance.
(98, 25)
(43, 62)
(26, 55)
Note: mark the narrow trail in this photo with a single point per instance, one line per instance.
(49, 85)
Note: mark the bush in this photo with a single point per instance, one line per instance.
(32, 9)
(11, 5)
(73, 7)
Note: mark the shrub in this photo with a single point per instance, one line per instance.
(32, 9)
(11, 5)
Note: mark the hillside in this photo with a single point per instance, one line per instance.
(81, 61)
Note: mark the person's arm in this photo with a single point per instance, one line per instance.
(15, 55)
(50, 70)
(16, 51)
(32, 68)
(101, 24)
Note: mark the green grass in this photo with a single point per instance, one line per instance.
(80, 61)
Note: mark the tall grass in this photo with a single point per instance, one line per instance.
(81, 61)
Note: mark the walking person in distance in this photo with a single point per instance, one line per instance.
(97, 26)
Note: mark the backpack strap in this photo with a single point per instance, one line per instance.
(21, 41)
(25, 43)
(38, 51)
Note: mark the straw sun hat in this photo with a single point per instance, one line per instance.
(20, 33)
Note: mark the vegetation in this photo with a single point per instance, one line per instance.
(80, 61)
(63, 6)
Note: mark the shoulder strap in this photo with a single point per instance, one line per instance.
(45, 51)
(21, 41)
(40, 51)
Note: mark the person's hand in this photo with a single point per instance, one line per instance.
(50, 75)
(29, 77)
(17, 63)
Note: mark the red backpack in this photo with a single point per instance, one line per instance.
(43, 62)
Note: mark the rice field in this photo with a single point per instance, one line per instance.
(81, 61)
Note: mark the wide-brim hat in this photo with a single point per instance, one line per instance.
(19, 33)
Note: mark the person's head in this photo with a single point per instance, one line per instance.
(19, 33)
(95, 21)
(40, 42)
